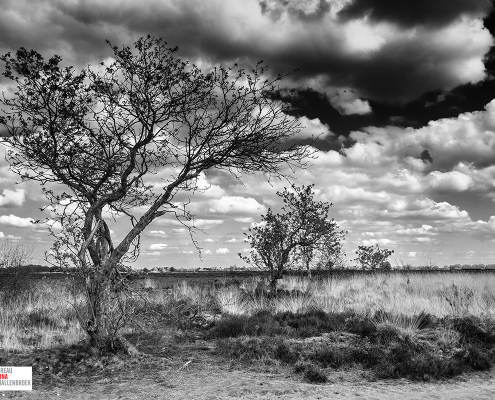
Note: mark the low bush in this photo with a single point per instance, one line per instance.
(261, 323)
(311, 372)
(251, 348)
(401, 362)
(230, 327)
(307, 324)
(297, 325)
(359, 325)
(390, 351)
(477, 359)
(330, 356)
(288, 353)
(472, 331)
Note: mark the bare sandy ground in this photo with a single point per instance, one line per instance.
(199, 378)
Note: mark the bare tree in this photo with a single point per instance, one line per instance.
(296, 235)
(102, 132)
(14, 255)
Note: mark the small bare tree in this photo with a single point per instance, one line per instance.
(294, 236)
(102, 132)
(14, 254)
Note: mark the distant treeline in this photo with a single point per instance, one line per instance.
(32, 268)
(37, 268)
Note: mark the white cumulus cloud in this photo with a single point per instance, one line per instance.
(12, 198)
(158, 246)
(15, 221)
(236, 205)
(452, 181)
(246, 220)
(157, 233)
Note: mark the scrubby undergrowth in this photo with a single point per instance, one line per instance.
(388, 326)
(315, 341)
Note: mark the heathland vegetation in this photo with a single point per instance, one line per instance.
(387, 325)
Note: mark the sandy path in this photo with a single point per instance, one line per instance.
(212, 382)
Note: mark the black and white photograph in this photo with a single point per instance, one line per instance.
(247, 199)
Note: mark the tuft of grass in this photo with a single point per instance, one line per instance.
(230, 300)
(458, 297)
(294, 303)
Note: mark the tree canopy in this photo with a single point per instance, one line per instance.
(96, 139)
(295, 235)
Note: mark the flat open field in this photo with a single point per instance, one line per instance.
(373, 336)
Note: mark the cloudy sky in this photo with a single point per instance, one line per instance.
(402, 94)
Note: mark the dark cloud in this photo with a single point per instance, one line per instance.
(385, 67)
(413, 13)
(440, 104)
(426, 157)
(429, 106)
(312, 104)
(303, 10)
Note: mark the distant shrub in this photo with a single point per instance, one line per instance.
(372, 257)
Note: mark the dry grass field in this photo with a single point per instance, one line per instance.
(318, 332)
